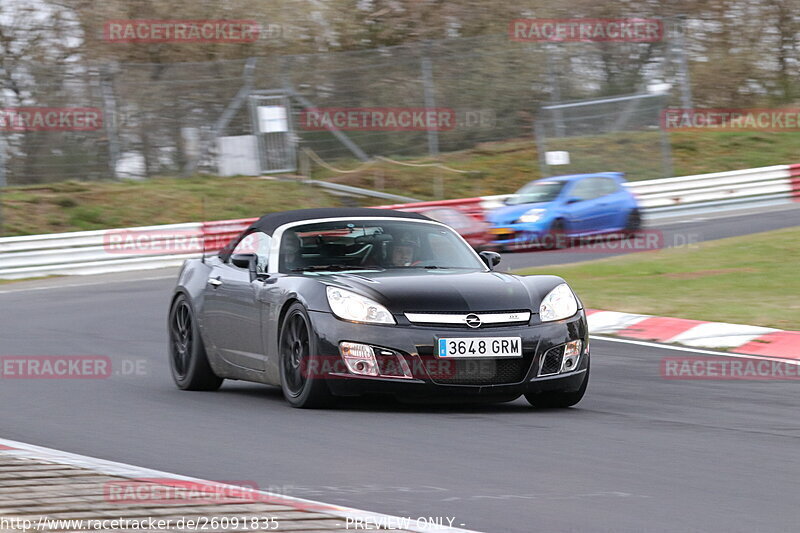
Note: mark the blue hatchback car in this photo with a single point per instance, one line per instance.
(550, 211)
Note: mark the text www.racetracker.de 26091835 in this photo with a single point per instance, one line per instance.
(190, 523)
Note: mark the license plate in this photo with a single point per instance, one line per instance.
(465, 347)
(500, 231)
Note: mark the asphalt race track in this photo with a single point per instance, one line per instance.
(669, 233)
(640, 453)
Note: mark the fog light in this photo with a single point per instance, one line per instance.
(359, 358)
(572, 353)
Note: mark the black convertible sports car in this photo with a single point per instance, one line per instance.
(341, 302)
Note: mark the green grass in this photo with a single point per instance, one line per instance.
(503, 167)
(746, 280)
(495, 168)
(79, 206)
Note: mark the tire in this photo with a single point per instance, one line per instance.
(296, 348)
(634, 223)
(558, 400)
(557, 235)
(187, 354)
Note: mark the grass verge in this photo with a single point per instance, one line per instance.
(746, 280)
(495, 168)
(81, 206)
(503, 167)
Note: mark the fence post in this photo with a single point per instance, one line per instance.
(555, 91)
(686, 86)
(105, 75)
(429, 95)
(541, 146)
(430, 98)
(2, 180)
(666, 153)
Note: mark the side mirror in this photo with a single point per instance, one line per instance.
(247, 261)
(492, 259)
(573, 200)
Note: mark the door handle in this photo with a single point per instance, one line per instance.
(215, 282)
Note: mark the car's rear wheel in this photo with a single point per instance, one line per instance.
(301, 385)
(634, 223)
(188, 358)
(558, 399)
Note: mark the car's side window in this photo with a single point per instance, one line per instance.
(257, 243)
(608, 186)
(586, 189)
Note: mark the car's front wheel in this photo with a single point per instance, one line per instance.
(188, 359)
(558, 399)
(558, 237)
(301, 385)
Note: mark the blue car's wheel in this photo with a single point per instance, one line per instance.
(557, 237)
(634, 223)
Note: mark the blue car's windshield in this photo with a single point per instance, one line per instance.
(374, 244)
(538, 191)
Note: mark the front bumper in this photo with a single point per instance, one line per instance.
(518, 234)
(434, 377)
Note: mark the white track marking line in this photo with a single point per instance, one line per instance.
(72, 285)
(795, 362)
(31, 451)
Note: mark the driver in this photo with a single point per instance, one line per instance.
(290, 251)
(403, 253)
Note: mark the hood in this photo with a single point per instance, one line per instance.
(443, 290)
(510, 213)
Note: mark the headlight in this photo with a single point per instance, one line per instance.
(559, 303)
(533, 215)
(351, 306)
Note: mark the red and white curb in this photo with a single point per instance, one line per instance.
(109, 468)
(738, 338)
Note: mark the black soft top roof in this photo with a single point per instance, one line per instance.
(270, 222)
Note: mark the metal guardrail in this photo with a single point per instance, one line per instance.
(117, 250)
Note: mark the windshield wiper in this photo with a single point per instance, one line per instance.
(332, 268)
(429, 267)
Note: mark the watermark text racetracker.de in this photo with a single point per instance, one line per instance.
(165, 491)
(164, 241)
(23, 119)
(378, 119)
(730, 119)
(150, 492)
(69, 367)
(395, 119)
(634, 30)
(640, 241)
(712, 368)
(181, 31)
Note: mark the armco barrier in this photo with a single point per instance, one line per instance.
(93, 252)
(794, 176)
(118, 250)
(471, 206)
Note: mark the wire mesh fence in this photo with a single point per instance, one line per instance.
(167, 119)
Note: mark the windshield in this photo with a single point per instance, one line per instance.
(538, 191)
(374, 245)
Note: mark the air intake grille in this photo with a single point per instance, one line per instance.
(551, 362)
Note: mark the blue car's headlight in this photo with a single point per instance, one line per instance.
(532, 215)
(559, 303)
(351, 306)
